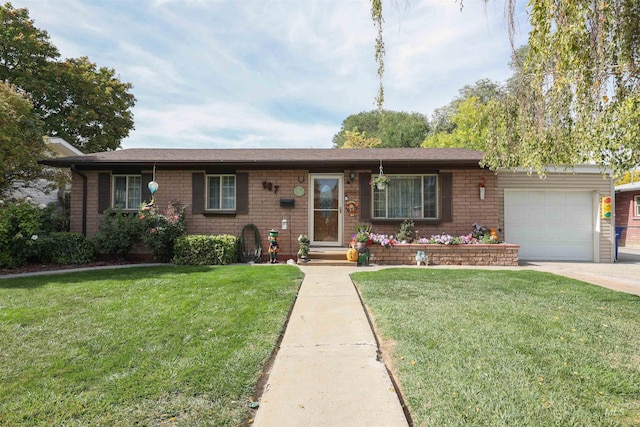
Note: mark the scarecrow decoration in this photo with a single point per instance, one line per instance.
(274, 246)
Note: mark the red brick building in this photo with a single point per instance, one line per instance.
(325, 193)
(628, 214)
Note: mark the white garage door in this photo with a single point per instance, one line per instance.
(550, 225)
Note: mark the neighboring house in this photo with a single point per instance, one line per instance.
(37, 191)
(628, 213)
(325, 193)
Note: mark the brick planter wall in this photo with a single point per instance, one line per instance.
(497, 254)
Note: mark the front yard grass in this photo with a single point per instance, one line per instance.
(507, 348)
(147, 346)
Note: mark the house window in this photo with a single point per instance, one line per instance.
(408, 196)
(636, 205)
(221, 192)
(127, 191)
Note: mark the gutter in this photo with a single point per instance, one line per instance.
(84, 199)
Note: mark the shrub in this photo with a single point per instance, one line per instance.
(65, 248)
(205, 250)
(21, 224)
(160, 230)
(118, 232)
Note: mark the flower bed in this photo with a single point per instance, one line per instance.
(438, 254)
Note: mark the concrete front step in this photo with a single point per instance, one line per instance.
(321, 256)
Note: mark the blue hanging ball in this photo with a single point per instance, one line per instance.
(153, 187)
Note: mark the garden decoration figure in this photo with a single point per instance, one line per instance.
(274, 246)
(421, 257)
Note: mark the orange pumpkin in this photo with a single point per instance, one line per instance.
(352, 255)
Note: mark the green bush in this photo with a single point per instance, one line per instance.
(118, 232)
(65, 248)
(205, 250)
(21, 224)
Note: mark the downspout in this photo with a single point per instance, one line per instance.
(84, 199)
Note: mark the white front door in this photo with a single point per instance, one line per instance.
(325, 209)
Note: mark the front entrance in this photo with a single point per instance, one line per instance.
(325, 210)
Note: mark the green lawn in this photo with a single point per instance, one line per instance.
(508, 348)
(139, 346)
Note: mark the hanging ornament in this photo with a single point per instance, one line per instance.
(153, 187)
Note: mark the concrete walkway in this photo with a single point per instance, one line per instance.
(327, 371)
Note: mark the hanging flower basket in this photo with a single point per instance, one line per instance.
(380, 182)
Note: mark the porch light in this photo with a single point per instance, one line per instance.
(285, 224)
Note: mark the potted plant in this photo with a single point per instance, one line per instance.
(362, 239)
(303, 249)
(380, 182)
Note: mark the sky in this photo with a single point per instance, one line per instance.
(276, 73)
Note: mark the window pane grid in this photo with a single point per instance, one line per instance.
(221, 192)
(127, 191)
(637, 205)
(407, 196)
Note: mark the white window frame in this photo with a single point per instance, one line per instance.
(221, 195)
(386, 195)
(113, 191)
(636, 206)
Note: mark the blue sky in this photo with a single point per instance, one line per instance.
(273, 73)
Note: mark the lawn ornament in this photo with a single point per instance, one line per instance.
(274, 246)
(421, 257)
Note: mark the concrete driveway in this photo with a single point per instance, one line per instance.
(623, 276)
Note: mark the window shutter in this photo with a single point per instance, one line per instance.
(365, 197)
(242, 193)
(146, 194)
(197, 193)
(446, 188)
(104, 192)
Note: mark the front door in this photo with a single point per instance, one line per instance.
(325, 210)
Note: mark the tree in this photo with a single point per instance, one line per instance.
(463, 122)
(391, 128)
(578, 96)
(468, 127)
(21, 142)
(357, 139)
(86, 105)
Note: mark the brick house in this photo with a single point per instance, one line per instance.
(325, 193)
(628, 213)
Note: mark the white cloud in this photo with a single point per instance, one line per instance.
(278, 73)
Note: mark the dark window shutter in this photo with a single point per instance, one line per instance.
(104, 192)
(146, 194)
(197, 193)
(242, 193)
(446, 196)
(365, 197)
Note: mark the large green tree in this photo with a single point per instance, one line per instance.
(86, 105)
(21, 142)
(391, 128)
(463, 122)
(578, 96)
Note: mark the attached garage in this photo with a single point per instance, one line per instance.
(550, 225)
(556, 218)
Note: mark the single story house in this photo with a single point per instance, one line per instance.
(628, 213)
(325, 193)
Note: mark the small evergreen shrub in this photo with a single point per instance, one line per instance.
(205, 250)
(118, 232)
(65, 248)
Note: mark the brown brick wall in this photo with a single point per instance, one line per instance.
(625, 216)
(265, 211)
(500, 254)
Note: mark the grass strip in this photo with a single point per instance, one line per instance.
(139, 346)
(505, 348)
